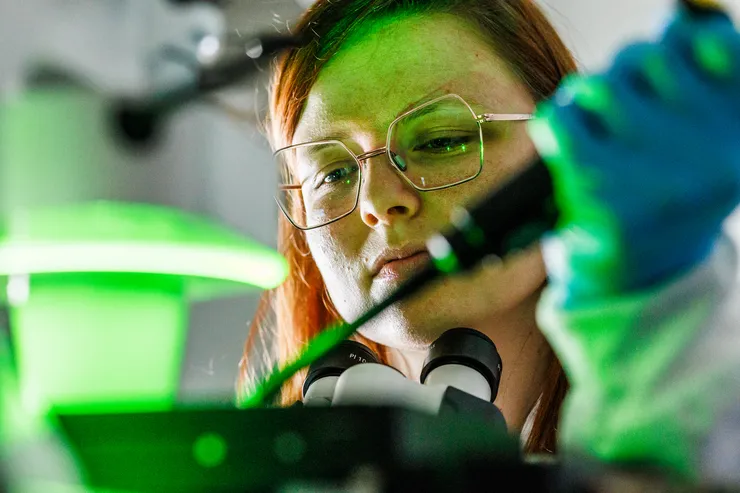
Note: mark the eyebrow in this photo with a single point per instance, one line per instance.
(419, 113)
(315, 149)
(416, 115)
(320, 147)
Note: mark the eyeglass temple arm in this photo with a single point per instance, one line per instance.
(504, 117)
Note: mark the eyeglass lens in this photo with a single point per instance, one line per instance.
(434, 146)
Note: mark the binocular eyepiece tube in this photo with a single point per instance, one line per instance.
(462, 371)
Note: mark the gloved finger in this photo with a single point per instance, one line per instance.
(599, 112)
(572, 142)
(711, 44)
(614, 138)
(702, 9)
(645, 91)
(581, 117)
(664, 102)
(676, 116)
(561, 130)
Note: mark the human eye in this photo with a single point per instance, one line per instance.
(452, 142)
(337, 174)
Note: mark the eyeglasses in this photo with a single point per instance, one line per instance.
(434, 146)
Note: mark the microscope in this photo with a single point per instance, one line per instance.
(461, 375)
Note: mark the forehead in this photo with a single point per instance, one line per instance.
(396, 63)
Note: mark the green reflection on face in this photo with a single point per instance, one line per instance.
(390, 66)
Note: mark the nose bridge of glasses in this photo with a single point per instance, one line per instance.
(394, 166)
(395, 162)
(370, 154)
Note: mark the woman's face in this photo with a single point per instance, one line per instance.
(379, 73)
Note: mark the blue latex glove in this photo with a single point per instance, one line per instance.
(646, 161)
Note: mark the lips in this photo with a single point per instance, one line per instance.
(403, 268)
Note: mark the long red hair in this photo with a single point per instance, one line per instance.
(300, 308)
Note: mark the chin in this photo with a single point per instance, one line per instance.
(415, 324)
(399, 337)
(489, 297)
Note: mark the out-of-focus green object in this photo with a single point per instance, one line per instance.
(107, 237)
(97, 279)
(98, 299)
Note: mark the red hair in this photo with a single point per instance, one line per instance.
(520, 34)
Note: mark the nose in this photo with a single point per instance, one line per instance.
(385, 196)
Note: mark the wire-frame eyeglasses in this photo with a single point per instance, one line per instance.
(436, 145)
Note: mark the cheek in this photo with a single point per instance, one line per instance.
(517, 155)
(328, 252)
(502, 164)
(340, 266)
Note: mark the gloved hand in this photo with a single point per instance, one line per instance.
(645, 160)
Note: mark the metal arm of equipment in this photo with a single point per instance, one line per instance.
(121, 48)
(140, 50)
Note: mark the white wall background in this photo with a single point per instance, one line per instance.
(239, 175)
(596, 29)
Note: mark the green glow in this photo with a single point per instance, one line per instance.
(589, 93)
(40, 232)
(554, 145)
(24, 430)
(447, 264)
(547, 142)
(120, 237)
(661, 77)
(97, 291)
(290, 447)
(443, 256)
(464, 223)
(711, 54)
(474, 235)
(209, 450)
(93, 342)
(98, 297)
(593, 94)
(193, 261)
(615, 410)
(310, 352)
(42, 486)
(584, 223)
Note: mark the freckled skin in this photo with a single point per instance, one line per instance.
(376, 76)
(386, 69)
